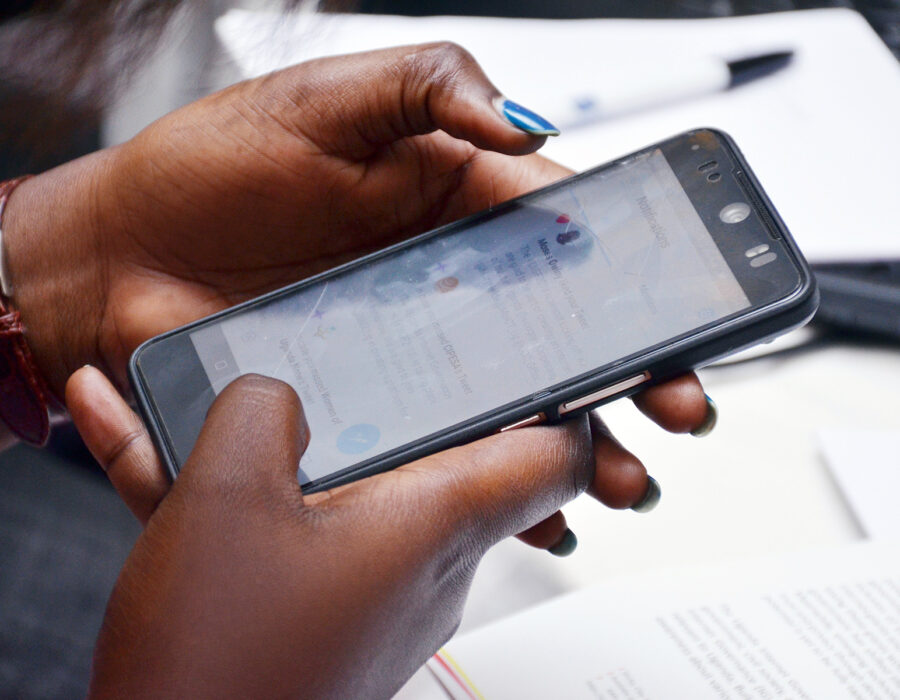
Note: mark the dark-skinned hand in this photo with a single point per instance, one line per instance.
(266, 182)
(254, 187)
(242, 586)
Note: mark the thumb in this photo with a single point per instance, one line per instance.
(485, 491)
(254, 436)
(362, 102)
(250, 445)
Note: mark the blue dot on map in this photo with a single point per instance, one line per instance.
(358, 438)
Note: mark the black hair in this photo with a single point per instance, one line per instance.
(61, 63)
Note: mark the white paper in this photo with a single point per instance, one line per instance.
(811, 625)
(866, 466)
(822, 135)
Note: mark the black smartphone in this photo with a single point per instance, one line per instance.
(532, 311)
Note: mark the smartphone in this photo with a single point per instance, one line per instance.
(532, 311)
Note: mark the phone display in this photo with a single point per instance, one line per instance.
(495, 311)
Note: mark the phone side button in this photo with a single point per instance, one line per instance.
(524, 423)
(604, 393)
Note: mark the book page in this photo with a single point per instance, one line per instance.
(810, 625)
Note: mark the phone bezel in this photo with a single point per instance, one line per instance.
(673, 356)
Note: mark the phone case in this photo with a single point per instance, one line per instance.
(624, 378)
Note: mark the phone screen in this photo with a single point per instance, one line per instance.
(483, 315)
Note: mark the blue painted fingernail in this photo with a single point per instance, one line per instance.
(712, 416)
(525, 119)
(565, 546)
(651, 497)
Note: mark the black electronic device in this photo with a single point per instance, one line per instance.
(860, 297)
(533, 311)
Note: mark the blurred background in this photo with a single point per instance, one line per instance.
(63, 532)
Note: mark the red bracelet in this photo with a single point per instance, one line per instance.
(23, 392)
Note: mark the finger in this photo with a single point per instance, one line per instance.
(679, 406)
(552, 534)
(249, 447)
(492, 488)
(492, 178)
(118, 440)
(620, 480)
(358, 103)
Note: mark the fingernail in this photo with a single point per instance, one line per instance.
(651, 497)
(524, 119)
(712, 415)
(565, 546)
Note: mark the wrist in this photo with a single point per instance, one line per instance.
(54, 266)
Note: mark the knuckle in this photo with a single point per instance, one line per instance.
(584, 465)
(572, 448)
(444, 61)
(447, 53)
(121, 453)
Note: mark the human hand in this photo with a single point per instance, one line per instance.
(242, 586)
(252, 188)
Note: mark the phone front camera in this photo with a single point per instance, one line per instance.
(735, 212)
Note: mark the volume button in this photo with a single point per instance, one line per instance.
(525, 422)
(604, 393)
